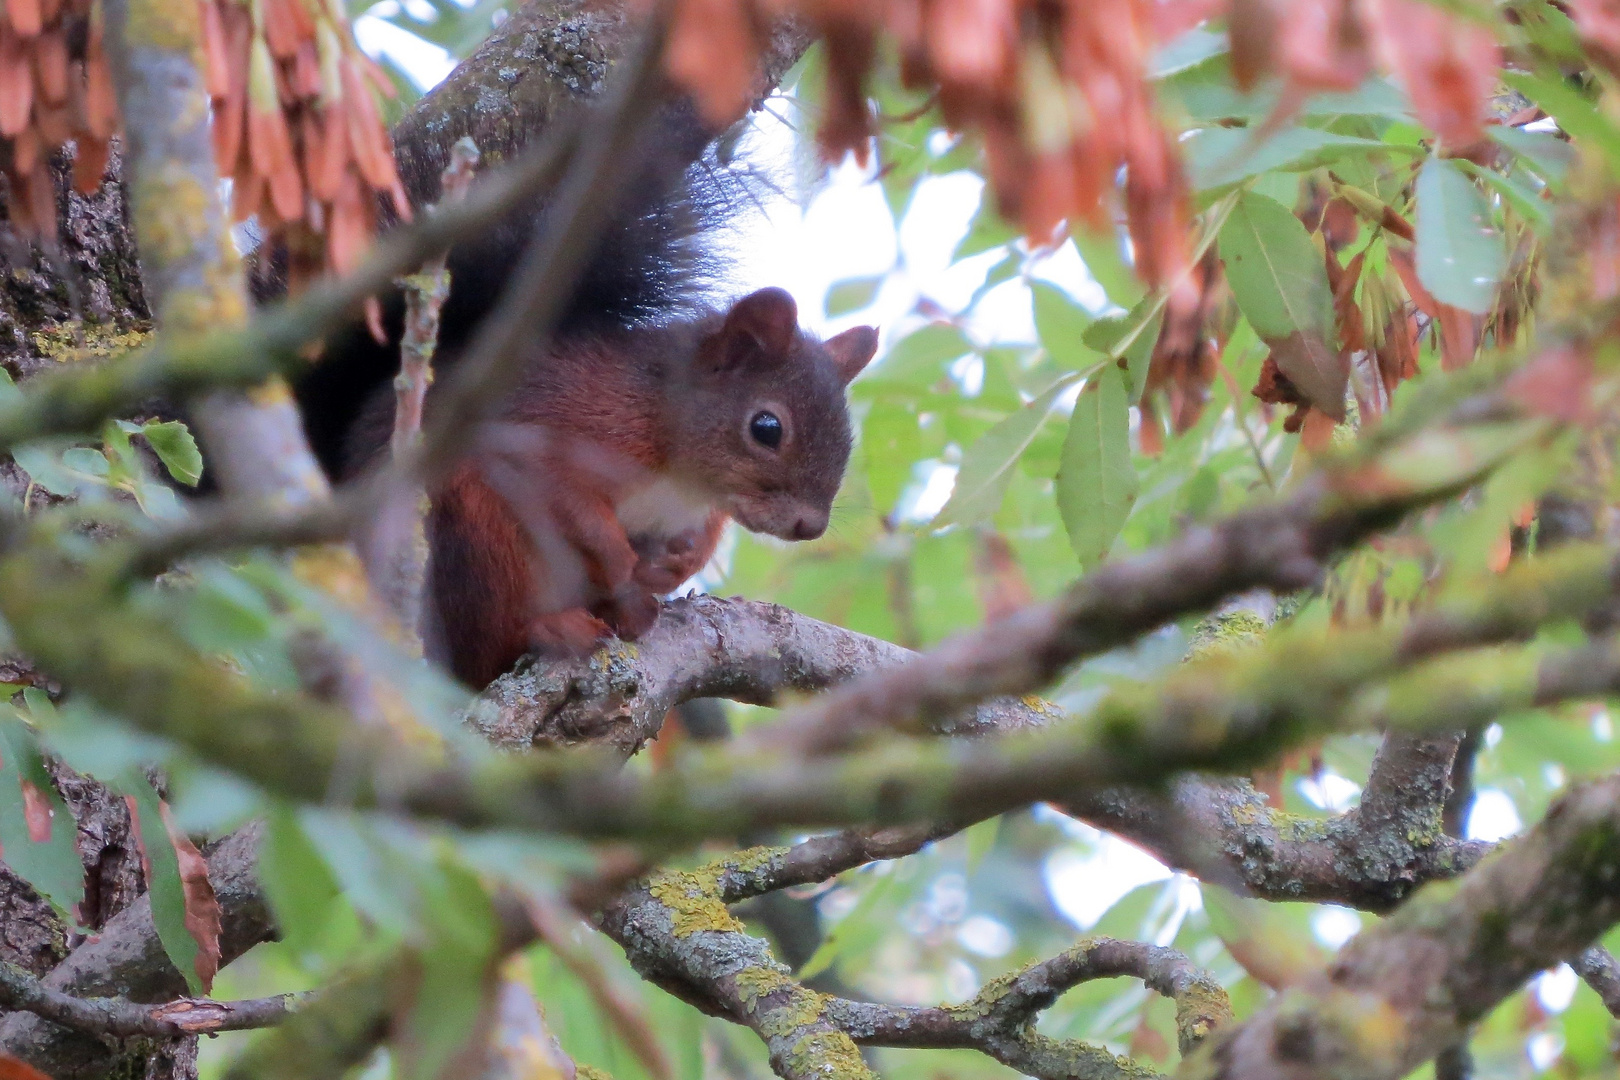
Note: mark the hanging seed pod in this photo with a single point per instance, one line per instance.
(51, 65)
(329, 51)
(100, 101)
(216, 51)
(269, 142)
(41, 200)
(274, 20)
(26, 150)
(25, 16)
(55, 123)
(247, 192)
(306, 71)
(350, 227)
(16, 85)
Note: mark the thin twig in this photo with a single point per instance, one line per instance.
(116, 1016)
(396, 550)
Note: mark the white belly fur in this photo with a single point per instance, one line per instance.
(664, 507)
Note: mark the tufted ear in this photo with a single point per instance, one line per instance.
(853, 350)
(763, 323)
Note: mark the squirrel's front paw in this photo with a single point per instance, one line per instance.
(632, 611)
(567, 634)
(667, 570)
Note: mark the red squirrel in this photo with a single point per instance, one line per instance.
(647, 423)
(608, 477)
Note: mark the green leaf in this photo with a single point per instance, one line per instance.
(1105, 258)
(163, 884)
(301, 888)
(1189, 50)
(851, 294)
(987, 466)
(50, 864)
(1280, 284)
(839, 937)
(172, 442)
(917, 360)
(1096, 483)
(1219, 157)
(1130, 337)
(1460, 255)
(60, 471)
(986, 231)
(1061, 325)
(457, 974)
(1276, 273)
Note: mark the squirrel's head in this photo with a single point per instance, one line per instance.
(768, 428)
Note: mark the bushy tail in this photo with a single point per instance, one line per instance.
(657, 262)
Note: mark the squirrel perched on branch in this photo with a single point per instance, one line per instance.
(645, 424)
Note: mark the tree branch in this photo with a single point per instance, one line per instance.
(677, 932)
(126, 960)
(118, 1017)
(1410, 987)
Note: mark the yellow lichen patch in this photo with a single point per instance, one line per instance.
(334, 569)
(748, 861)
(171, 209)
(802, 1009)
(75, 340)
(163, 24)
(754, 983)
(691, 900)
(827, 1053)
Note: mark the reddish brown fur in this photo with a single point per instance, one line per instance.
(540, 541)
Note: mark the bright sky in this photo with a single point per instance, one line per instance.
(845, 231)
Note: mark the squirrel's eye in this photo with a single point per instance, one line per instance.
(766, 429)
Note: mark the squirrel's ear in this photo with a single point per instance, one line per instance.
(767, 319)
(853, 350)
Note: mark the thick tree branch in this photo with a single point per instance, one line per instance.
(1410, 987)
(677, 932)
(700, 647)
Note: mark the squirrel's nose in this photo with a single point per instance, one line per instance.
(809, 526)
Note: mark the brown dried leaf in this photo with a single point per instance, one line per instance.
(90, 163)
(1319, 373)
(202, 906)
(1252, 27)
(1003, 588)
(1557, 384)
